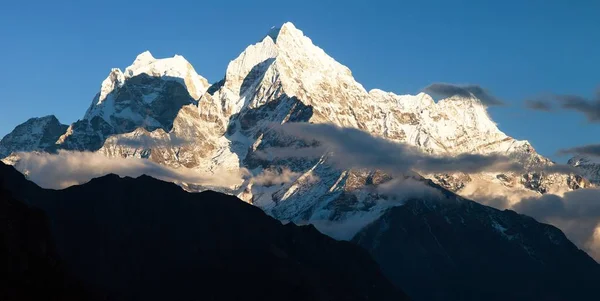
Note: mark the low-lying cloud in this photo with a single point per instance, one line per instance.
(405, 189)
(273, 177)
(445, 90)
(577, 213)
(67, 168)
(398, 191)
(353, 148)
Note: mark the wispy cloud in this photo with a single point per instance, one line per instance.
(592, 150)
(590, 108)
(404, 189)
(538, 105)
(577, 213)
(71, 168)
(273, 177)
(352, 148)
(398, 190)
(445, 90)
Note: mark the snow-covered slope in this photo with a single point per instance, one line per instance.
(149, 94)
(162, 110)
(33, 134)
(589, 166)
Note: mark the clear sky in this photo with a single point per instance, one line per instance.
(55, 54)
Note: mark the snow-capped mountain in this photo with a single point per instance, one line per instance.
(176, 119)
(33, 134)
(590, 167)
(162, 110)
(149, 95)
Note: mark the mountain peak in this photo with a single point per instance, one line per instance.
(47, 118)
(285, 28)
(273, 33)
(144, 58)
(34, 134)
(115, 78)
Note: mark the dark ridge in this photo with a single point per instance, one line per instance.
(461, 250)
(30, 267)
(145, 239)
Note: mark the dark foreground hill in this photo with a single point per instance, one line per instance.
(144, 239)
(456, 249)
(29, 265)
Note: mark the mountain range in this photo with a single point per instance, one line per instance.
(162, 111)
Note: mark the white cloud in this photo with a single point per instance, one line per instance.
(67, 168)
(273, 177)
(398, 192)
(353, 148)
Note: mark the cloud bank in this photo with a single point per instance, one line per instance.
(67, 168)
(577, 214)
(445, 90)
(353, 148)
(399, 190)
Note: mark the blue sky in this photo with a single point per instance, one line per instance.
(55, 54)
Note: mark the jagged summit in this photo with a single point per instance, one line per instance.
(34, 134)
(173, 68)
(143, 59)
(108, 103)
(273, 33)
(285, 28)
(589, 166)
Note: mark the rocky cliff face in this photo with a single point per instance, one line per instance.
(590, 168)
(149, 95)
(33, 134)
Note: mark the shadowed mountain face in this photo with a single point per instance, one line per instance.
(143, 101)
(460, 250)
(30, 267)
(143, 239)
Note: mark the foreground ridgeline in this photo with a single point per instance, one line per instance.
(31, 269)
(144, 239)
(456, 249)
